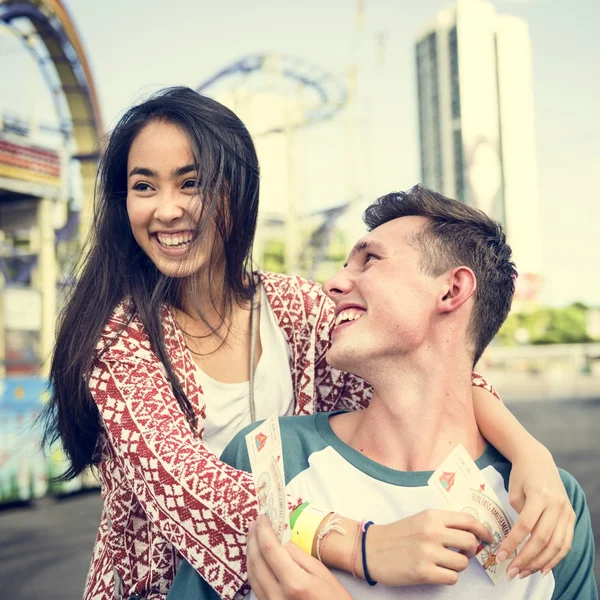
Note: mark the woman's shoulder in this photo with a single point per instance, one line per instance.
(124, 333)
(299, 298)
(283, 285)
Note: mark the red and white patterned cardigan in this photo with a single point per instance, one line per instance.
(165, 495)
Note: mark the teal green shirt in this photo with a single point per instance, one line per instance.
(322, 468)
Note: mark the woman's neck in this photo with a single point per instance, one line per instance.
(208, 311)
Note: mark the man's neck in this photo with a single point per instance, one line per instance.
(416, 417)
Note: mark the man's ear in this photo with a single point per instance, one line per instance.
(459, 285)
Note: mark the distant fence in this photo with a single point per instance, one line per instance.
(582, 358)
(26, 473)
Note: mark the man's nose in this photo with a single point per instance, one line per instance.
(339, 284)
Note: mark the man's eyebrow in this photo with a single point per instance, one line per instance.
(362, 246)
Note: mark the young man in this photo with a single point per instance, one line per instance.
(420, 298)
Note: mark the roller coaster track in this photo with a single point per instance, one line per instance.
(70, 83)
(330, 91)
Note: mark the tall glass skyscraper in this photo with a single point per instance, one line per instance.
(476, 120)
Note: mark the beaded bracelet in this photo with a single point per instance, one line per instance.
(365, 528)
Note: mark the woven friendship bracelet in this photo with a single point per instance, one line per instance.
(355, 549)
(332, 524)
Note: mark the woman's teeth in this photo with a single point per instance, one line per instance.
(172, 241)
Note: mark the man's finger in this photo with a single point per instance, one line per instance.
(305, 561)
(256, 586)
(465, 541)
(449, 559)
(273, 553)
(260, 577)
(443, 576)
(465, 522)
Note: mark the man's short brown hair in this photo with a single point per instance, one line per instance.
(457, 235)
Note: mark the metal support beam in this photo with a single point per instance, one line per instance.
(47, 279)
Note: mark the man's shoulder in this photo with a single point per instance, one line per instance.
(573, 488)
(293, 426)
(574, 575)
(300, 438)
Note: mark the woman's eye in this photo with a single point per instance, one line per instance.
(368, 257)
(142, 187)
(189, 184)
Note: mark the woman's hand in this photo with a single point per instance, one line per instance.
(278, 572)
(536, 491)
(416, 550)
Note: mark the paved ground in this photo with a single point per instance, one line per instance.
(45, 550)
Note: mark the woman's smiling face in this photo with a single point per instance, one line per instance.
(163, 204)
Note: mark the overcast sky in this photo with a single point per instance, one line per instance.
(135, 46)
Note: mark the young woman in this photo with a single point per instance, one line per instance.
(170, 344)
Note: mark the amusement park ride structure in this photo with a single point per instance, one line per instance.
(309, 96)
(27, 190)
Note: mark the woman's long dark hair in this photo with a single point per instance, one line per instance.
(115, 267)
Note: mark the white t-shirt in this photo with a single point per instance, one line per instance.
(320, 466)
(228, 404)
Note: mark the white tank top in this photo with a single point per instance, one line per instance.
(227, 404)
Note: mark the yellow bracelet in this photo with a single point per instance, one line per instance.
(306, 526)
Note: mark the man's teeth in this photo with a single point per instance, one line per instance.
(174, 240)
(347, 315)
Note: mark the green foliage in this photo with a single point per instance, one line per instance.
(14, 492)
(547, 326)
(273, 258)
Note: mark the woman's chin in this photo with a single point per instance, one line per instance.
(176, 271)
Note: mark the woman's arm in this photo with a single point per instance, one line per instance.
(536, 490)
(201, 505)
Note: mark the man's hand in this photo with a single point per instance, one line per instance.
(278, 572)
(536, 491)
(416, 550)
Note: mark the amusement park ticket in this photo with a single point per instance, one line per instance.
(266, 460)
(462, 487)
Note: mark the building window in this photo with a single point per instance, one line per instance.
(429, 111)
(454, 80)
(459, 165)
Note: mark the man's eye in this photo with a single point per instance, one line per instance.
(369, 256)
(142, 187)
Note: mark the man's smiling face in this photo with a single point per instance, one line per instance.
(385, 304)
